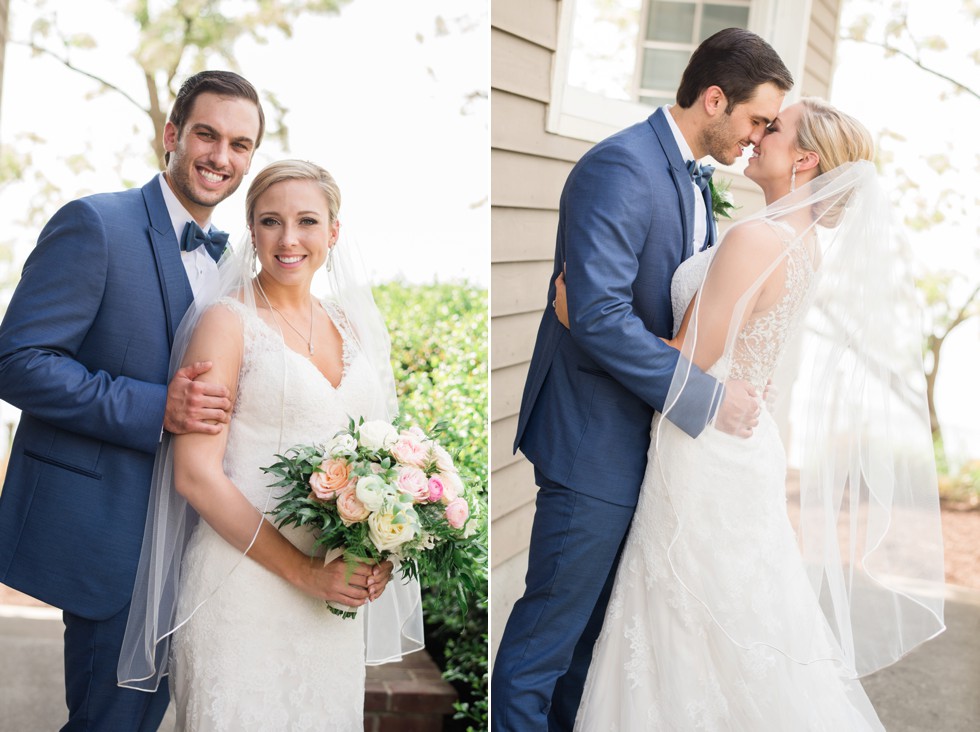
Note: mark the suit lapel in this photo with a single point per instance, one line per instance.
(176, 290)
(678, 171)
(712, 236)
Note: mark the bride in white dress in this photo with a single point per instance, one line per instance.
(255, 646)
(717, 621)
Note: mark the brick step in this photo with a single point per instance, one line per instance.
(408, 696)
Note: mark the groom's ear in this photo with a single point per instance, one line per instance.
(714, 100)
(170, 135)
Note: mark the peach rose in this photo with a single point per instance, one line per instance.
(330, 479)
(350, 509)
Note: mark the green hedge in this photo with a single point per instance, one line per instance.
(439, 353)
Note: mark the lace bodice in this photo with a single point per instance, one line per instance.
(761, 341)
(283, 399)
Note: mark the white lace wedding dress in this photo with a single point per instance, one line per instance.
(260, 654)
(662, 660)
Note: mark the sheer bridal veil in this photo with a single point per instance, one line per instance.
(393, 623)
(849, 395)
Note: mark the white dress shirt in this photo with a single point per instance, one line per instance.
(700, 210)
(201, 269)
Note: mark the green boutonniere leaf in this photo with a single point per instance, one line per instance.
(722, 202)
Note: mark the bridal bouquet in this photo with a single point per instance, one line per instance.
(375, 492)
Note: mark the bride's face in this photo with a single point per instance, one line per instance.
(292, 231)
(772, 159)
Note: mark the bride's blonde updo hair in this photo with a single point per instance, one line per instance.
(284, 170)
(837, 138)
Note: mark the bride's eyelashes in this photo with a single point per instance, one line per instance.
(273, 221)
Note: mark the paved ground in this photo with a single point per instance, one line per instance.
(935, 689)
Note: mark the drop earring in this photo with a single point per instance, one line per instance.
(792, 180)
(254, 257)
(330, 260)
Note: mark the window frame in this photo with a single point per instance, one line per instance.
(580, 114)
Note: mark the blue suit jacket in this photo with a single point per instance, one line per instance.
(625, 223)
(84, 353)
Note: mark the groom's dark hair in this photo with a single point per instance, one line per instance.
(736, 60)
(222, 83)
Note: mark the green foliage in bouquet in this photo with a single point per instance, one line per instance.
(376, 490)
(439, 353)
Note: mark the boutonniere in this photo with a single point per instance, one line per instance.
(722, 201)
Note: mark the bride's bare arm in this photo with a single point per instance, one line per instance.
(199, 476)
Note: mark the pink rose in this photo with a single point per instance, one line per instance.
(457, 512)
(436, 488)
(409, 450)
(413, 482)
(350, 509)
(330, 479)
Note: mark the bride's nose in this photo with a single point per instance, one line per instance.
(288, 236)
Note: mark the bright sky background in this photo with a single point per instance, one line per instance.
(367, 100)
(892, 94)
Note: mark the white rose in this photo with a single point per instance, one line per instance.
(341, 443)
(453, 487)
(372, 492)
(444, 461)
(387, 535)
(377, 435)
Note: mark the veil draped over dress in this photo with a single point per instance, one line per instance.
(840, 351)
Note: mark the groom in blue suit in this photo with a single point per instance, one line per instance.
(633, 208)
(84, 353)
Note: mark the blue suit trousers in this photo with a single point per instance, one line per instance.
(544, 655)
(95, 701)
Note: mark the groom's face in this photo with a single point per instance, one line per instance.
(211, 152)
(729, 134)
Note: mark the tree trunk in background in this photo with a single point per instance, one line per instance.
(4, 11)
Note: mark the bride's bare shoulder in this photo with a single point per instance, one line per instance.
(749, 243)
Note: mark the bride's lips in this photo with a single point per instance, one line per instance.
(290, 260)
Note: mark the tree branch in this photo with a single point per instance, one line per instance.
(917, 62)
(964, 313)
(68, 64)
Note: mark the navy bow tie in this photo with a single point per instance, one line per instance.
(700, 174)
(193, 237)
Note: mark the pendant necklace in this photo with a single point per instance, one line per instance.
(309, 340)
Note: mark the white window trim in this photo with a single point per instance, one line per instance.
(584, 115)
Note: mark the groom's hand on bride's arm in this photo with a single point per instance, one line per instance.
(196, 406)
(739, 412)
